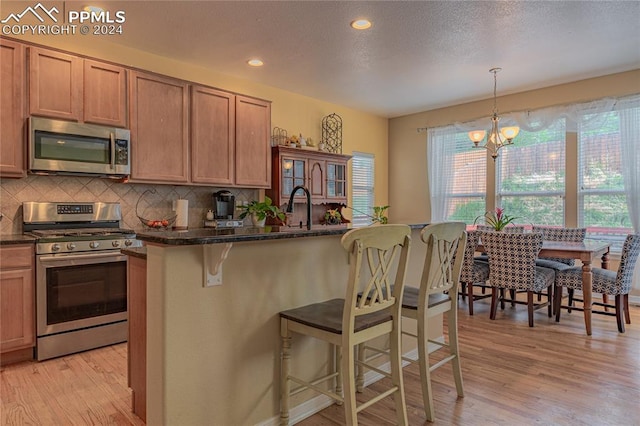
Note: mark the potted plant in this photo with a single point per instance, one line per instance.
(260, 211)
(498, 220)
(379, 215)
(332, 217)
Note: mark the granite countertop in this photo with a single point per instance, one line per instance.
(140, 252)
(230, 235)
(6, 239)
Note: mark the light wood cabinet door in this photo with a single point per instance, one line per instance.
(17, 298)
(212, 136)
(253, 149)
(317, 179)
(159, 122)
(55, 84)
(12, 112)
(105, 94)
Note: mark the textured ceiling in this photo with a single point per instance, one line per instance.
(418, 55)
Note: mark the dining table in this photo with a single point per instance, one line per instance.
(585, 252)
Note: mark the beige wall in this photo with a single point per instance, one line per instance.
(296, 113)
(408, 186)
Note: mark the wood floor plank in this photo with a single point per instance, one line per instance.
(551, 374)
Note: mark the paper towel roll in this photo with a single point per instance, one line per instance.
(182, 214)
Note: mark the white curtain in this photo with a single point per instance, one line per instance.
(441, 149)
(629, 112)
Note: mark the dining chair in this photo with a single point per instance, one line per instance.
(378, 258)
(512, 266)
(475, 273)
(510, 229)
(612, 283)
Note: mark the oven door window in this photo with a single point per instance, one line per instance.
(86, 291)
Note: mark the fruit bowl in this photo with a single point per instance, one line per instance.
(158, 224)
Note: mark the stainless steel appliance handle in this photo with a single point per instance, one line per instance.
(72, 256)
(112, 143)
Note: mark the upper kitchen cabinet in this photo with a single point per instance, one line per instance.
(252, 145)
(159, 124)
(71, 88)
(105, 94)
(55, 84)
(212, 136)
(323, 173)
(12, 111)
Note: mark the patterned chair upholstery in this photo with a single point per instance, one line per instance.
(559, 234)
(605, 282)
(474, 272)
(511, 229)
(512, 266)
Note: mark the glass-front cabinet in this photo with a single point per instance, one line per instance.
(323, 173)
(293, 174)
(336, 180)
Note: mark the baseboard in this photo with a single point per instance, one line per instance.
(319, 403)
(634, 300)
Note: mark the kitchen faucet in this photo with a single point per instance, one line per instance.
(290, 204)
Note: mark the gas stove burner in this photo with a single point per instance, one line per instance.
(83, 232)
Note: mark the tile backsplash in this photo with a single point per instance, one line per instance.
(13, 192)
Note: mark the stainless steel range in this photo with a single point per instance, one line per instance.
(81, 276)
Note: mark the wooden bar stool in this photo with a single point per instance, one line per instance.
(378, 257)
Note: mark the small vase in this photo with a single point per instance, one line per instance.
(258, 222)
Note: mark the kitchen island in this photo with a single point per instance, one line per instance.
(213, 299)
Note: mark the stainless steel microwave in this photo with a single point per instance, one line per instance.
(64, 147)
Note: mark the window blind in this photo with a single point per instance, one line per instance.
(602, 206)
(530, 176)
(362, 178)
(469, 174)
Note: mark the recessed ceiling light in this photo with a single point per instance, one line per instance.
(255, 62)
(361, 24)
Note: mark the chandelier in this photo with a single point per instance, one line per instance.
(497, 138)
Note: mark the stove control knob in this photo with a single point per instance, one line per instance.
(115, 243)
(128, 242)
(71, 246)
(55, 247)
(94, 244)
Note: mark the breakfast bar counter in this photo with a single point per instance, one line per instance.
(213, 299)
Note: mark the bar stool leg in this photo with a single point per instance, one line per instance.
(284, 375)
(348, 382)
(360, 368)
(452, 325)
(339, 377)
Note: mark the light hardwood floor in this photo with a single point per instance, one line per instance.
(551, 374)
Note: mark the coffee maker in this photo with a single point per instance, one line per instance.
(224, 205)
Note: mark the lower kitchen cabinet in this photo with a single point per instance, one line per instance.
(17, 302)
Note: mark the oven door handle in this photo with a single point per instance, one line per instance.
(73, 256)
(112, 145)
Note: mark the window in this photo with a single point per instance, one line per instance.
(602, 205)
(530, 176)
(468, 175)
(362, 176)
